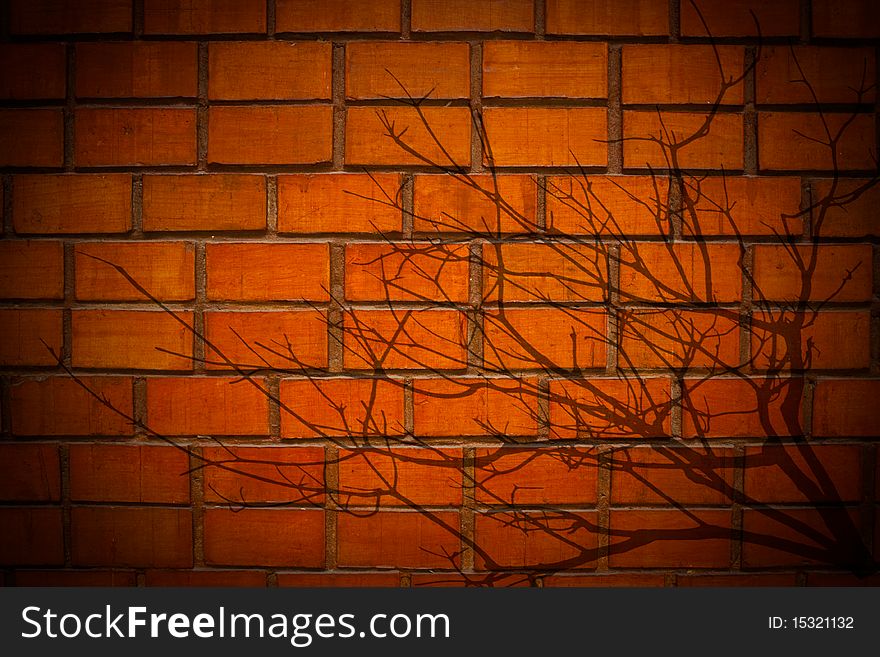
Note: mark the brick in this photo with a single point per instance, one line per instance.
(845, 208)
(338, 580)
(670, 538)
(832, 75)
(404, 339)
(475, 407)
(472, 580)
(131, 339)
(608, 17)
(544, 338)
(131, 536)
(788, 537)
(733, 579)
(846, 408)
(215, 202)
(69, 16)
(31, 138)
(479, 203)
(75, 578)
(681, 272)
(610, 408)
(548, 69)
(376, 69)
(607, 205)
(129, 473)
(279, 134)
(62, 406)
(206, 578)
(288, 340)
(841, 579)
(32, 536)
(72, 203)
(143, 136)
(304, 16)
(411, 271)
(688, 74)
(788, 141)
(253, 271)
(617, 580)
(253, 70)
(433, 136)
(464, 16)
(803, 473)
(720, 147)
(31, 270)
(739, 18)
(287, 538)
(138, 69)
(30, 473)
(529, 476)
(858, 19)
(415, 477)
(399, 539)
(166, 270)
(204, 16)
(248, 476)
(21, 60)
(813, 273)
(312, 408)
(557, 271)
(185, 406)
(536, 540)
(339, 203)
(547, 136)
(28, 337)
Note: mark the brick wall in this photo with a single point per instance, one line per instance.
(417, 292)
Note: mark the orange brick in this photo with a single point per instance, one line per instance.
(132, 339)
(411, 271)
(212, 202)
(464, 16)
(165, 269)
(252, 271)
(547, 136)
(30, 473)
(139, 69)
(845, 208)
(337, 16)
(611, 17)
(279, 340)
(69, 16)
(249, 70)
(529, 476)
(129, 473)
(312, 408)
(803, 473)
(616, 580)
(405, 539)
(62, 406)
(800, 537)
(28, 337)
(135, 136)
(279, 134)
(846, 408)
(375, 69)
(286, 538)
(31, 270)
(856, 19)
(75, 578)
(31, 138)
(720, 147)
(213, 406)
(737, 18)
(832, 75)
(434, 136)
(22, 60)
(72, 203)
(788, 141)
(819, 341)
(204, 16)
(339, 203)
(32, 536)
(815, 273)
(343, 580)
(554, 69)
(209, 578)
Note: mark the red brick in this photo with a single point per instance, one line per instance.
(472, 580)
(342, 580)
(137, 70)
(204, 16)
(846, 408)
(734, 579)
(271, 134)
(28, 337)
(75, 578)
(464, 16)
(129, 473)
(856, 19)
(788, 141)
(437, 136)
(813, 74)
(339, 203)
(206, 578)
(845, 208)
(529, 476)
(31, 138)
(31, 536)
(215, 202)
(399, 539)
(313, 408)
(841, 579)
(616, 580)
(30, 473)
(20, 63)
(738, 18)
(608, 17)
(337, 16)
(135, 136)
(72, 203)
(813, 273)
(252, 271)
(61, 406)
(70, 16)
(287, 538)
(123, 339)
(31, 270)
(249, 70)
(788, 537)
(131, 536)
(165, 269)
(720, 147)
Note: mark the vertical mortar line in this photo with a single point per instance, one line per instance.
(407, 198)
(476, 105)
(409, 422)
(675, 20)
(807, 408)
(736, 508)
(612, 300)
(199, 350)
(272, 206)
(137, 19)
(335, 311)
(197, 503)
(468, 508)
(137, 205)
(270, 19)
(541, 203)
(676, 411)
(750, 117)
(331, 507)
(339, 107)
(475, 303)
(676, 205)
(603, 507)
(806, 21)
(540, 19)
(139, 406)
(69, 299)
(69, 112)
(405, 581)
(64, 458)
(615, 112)
(8, 224)
(543, 407)
(806, 202)
(746, 308)
(273, 389)
(271, 579)
(406, 19)
(202, 109)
